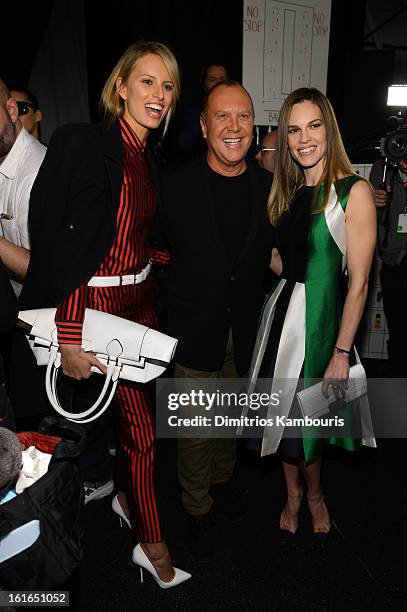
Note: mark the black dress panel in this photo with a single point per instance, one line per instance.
(291, 240)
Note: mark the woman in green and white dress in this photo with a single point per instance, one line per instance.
(324, 218)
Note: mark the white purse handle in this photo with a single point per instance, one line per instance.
(112, 376)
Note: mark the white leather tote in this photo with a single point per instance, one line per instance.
(129, 350)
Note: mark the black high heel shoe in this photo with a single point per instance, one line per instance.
(323, 529)
(287, 535)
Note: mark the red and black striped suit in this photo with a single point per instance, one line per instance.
(128, 254)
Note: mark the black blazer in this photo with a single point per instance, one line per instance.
(206, 293)
(8, 301)
(73, 208)
(8, 316)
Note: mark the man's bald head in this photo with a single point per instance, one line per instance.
(228, 83)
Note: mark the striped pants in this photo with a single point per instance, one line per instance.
(135, 459)
(133, 407)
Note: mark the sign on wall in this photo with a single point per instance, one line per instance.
(285, 46)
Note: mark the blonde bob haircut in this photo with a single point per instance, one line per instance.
(288, 175)
(112, 104)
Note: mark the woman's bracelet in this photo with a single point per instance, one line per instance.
(341, 351)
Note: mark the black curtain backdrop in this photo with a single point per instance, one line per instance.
(201, 33)
(198, 33)
(22, 26)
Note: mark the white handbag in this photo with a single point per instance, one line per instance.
(129, 350)
(312, 402)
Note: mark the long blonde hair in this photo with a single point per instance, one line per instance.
(110, 100)
(288, 174)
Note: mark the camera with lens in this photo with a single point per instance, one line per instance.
(393, 145)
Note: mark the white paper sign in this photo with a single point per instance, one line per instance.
(285, 46)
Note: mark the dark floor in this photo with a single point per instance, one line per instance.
(363, 568)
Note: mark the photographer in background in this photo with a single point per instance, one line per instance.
(190, 142)
(267, 151)
(391, 205)
(28, 110)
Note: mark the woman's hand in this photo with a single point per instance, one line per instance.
(336, 375)
(276, 264)
(76, 363)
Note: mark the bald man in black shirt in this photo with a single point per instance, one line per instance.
(214, 214)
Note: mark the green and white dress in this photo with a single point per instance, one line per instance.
(301, 318)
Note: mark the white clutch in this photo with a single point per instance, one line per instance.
(129, 350)
(313, 404)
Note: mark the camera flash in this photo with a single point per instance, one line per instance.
(397, 95)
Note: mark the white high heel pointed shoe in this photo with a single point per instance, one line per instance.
(141, 559)
(116, 507)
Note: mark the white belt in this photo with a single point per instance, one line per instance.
(116, 281)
